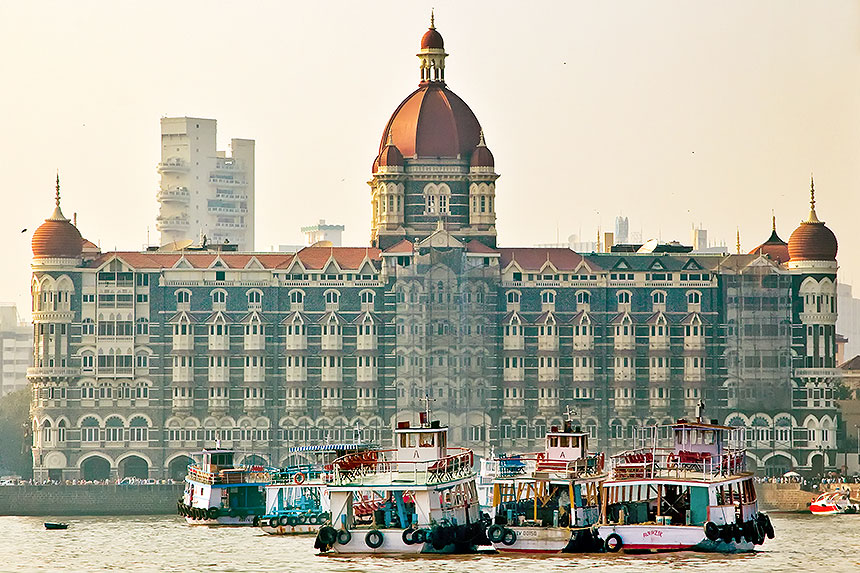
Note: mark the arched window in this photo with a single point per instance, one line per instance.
(139, 429)
(88, 327)
(219, 299)
(332, 298)
(255, 300)
(694, 297)
(367, 297)
(297, 300)
(87, 361)
(658, 297)
(547, 297)
(141, 327)
(89, 429)
(183, 299)
(624, 297)
(583, 297)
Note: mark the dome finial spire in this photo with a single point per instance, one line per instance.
(813, 218)
(773, 216)
(739, 240)
(57, 215)
(432, 19)
(481, 142)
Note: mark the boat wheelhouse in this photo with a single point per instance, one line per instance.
(297, 500)
(217, 492)
(419, 497)
(694, 494)
(546, 502)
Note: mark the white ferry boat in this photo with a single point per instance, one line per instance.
(833, 503)
(694, 495)
(297, 500)
(419, 497)
(219, 493)
(547, 502)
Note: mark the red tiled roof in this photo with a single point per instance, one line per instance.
(346, 257)
(476, 246)
(156, 260)
(534, 258)
(403, 246)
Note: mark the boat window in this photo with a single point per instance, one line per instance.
(553, 442)
(565, 442)
(574, 441)
(426, 440)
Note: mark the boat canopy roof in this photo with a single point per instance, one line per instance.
(332, 447)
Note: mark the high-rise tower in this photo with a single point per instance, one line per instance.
(204, 191)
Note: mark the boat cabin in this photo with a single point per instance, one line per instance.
(567, 444)
(213, 461)
(698, 437)
(424, 443)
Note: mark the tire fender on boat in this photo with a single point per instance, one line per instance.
(344, 536)
(509, 537)
(212, 513)
(712, 531)
(406, 536)
(373, 539)
(495, 533)
(420, 536)
(327, 535)
(613, 543)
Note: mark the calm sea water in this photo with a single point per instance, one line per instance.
(164, 543)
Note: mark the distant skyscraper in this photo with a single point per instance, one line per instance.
(204, 191)
(16, 349)
(622, 226)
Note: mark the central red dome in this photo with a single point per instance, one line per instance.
(433, 122)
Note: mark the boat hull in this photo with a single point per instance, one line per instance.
(536, 540)
(670, 538)
(300, 529)
(223, 520)
(393, 544)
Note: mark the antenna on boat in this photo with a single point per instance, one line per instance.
(356, 434)
(700, 410)
(569, 412)
(424, 417)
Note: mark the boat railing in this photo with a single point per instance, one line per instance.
(529, 464)
(228, 476)
(383, 467)
(298, 474)
(668, 463)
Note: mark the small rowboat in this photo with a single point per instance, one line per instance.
(55, 525)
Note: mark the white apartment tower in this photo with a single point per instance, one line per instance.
(205, 192)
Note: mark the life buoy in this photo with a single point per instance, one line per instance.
(344, 536)
(299, 478)
(509, 537)
(373, 539)
(495, 533)
(613, 543)
(406, 536)
(712, 531)
(212, 513)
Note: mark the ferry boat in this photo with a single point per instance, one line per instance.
(694, 495)
(834, 502)
(547, 502)
(419, 497)
(219, 493)
(297, 500)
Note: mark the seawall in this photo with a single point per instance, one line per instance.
(89, 499)
(783, 497)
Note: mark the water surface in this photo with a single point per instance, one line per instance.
(165, 543)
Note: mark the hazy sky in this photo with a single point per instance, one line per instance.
(672, 113)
